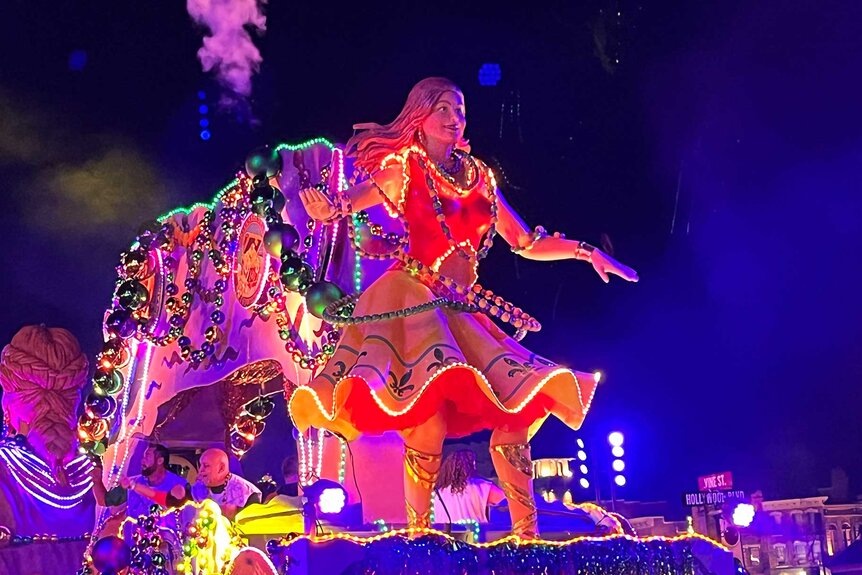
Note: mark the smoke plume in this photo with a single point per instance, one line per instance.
(228, 49)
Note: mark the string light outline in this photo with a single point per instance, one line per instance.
(331, 415)
(412, 531)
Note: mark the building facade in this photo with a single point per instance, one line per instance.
(796, 536)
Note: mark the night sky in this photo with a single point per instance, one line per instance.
(719, 148)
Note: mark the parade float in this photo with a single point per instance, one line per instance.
(218, 307)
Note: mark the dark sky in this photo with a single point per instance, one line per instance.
(721, 155)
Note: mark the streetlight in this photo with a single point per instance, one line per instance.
(582, 458)
(615, 440)
(743, 514)
(600, 466)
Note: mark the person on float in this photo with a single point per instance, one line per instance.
(460, 495)
(156, 484)
(215, 481)
(414, 356)
(290, 476)
(282, 507)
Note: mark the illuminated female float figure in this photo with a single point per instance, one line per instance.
(440, 370)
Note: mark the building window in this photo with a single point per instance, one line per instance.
(776, 517)
(800, 551)
(815, 520)
(847, 532)
(780, 551)
(752, 555)
(831, 534)
(800, 520)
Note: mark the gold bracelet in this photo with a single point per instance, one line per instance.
(585, 249)
(538, 233)
(340, 209)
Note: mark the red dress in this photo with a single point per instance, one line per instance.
(395, 374)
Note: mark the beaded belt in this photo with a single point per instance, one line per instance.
(471, 300)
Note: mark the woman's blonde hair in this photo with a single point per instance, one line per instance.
(456, 471)
(374, 141)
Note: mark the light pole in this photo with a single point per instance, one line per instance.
(615, 440)
(582, 464)
(615, 474)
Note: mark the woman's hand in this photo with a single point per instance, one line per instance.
(318, 206)
(605, 264)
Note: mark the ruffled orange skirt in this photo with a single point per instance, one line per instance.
(395, 374)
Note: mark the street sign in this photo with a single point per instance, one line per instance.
(716, 482)
(711, 497)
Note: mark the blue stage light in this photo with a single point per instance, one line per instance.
(77, 60)
(490, 74)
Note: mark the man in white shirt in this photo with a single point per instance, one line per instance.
(215, 481)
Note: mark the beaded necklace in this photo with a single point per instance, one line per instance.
(470, 299)
(458, 163)
(471, 170)
(441, 217)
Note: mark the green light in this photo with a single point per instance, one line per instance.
(212, 205)
(209, 206)
(357, 273)
(305, 145)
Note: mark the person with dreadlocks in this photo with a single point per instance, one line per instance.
(460, 495)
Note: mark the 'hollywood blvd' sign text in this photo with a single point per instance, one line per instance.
(711, 497)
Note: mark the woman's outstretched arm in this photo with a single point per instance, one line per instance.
(538, 245)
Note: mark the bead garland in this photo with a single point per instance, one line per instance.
(133, 317)
(431, 171)
(15, 540)
(468, 298)
(487, 242)
(475, 296)
(419, 151)
(317, 233)
(339, 312)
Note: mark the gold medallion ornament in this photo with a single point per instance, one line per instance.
(252, 262)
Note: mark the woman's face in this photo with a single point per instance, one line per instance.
(448, 119)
